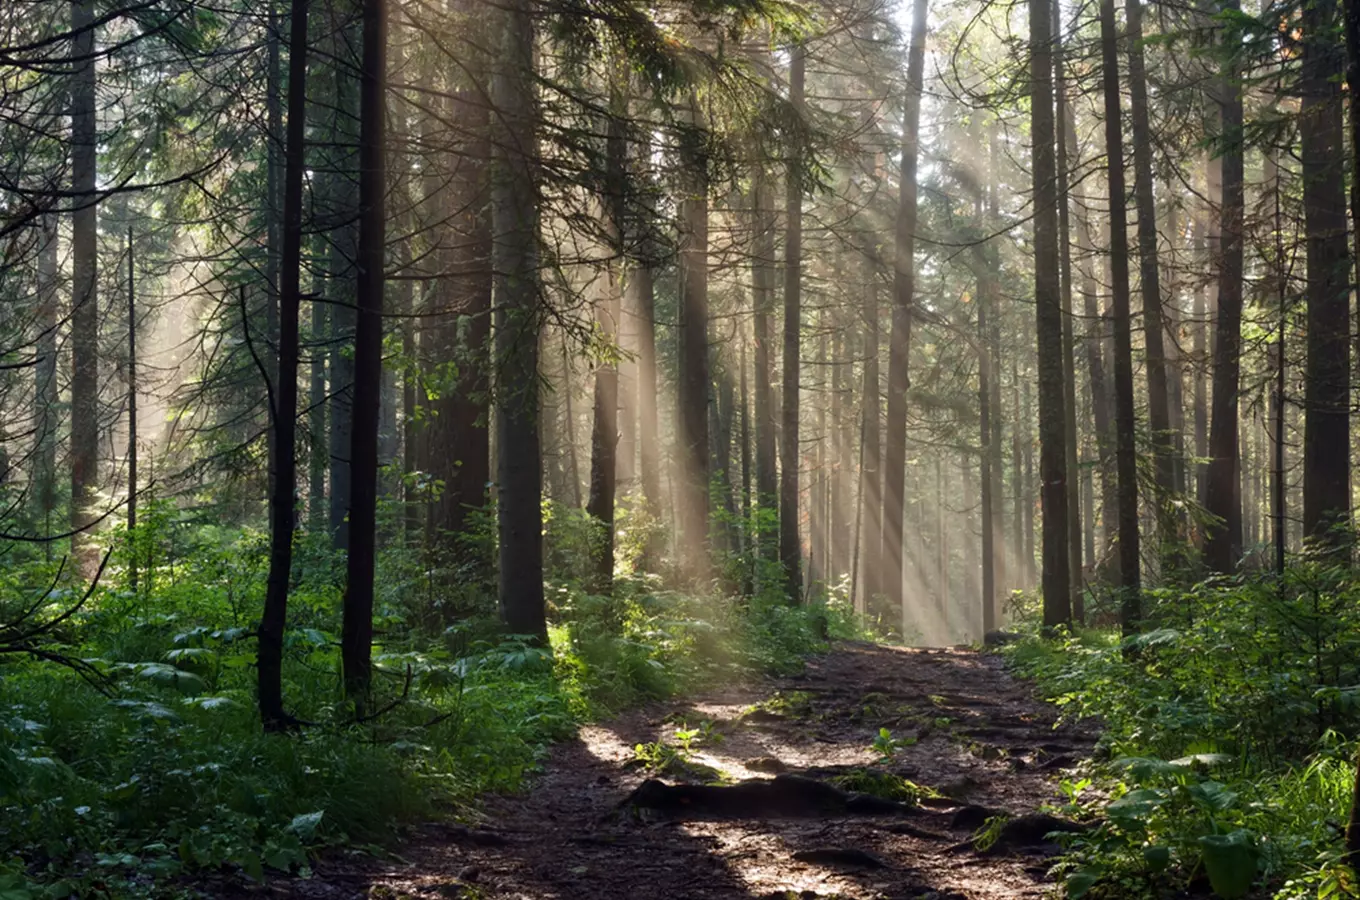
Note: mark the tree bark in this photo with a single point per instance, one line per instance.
(340, 165)
(460, 328)
(46, 396)
(871, 494)
(356, 636)
(132, 414)
(1222, 496)
(84, 289)
(1327, 436)
(1069, 359)
(903, 309)
(762, 300)
(515, 262)
(692, 399)
(790, 542)
(1159, 415)
(1126, 461)
(282, 514)
(605, 427)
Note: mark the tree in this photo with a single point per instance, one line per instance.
(356, 637)
(904, 299)
(515, 261)
(605, 430)
(1222, 494)
(692, 389)
(1049, 322)
(1327, 437)
(790, 453)
(1149, 271)
(84, 284)
(283, 401)
(455, 342)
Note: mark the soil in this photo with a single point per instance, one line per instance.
(965, 728)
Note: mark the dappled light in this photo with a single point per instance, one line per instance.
(732, 449)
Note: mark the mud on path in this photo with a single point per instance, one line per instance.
(980, 740)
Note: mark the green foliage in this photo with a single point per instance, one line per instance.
(1230, 729)
(886, 746)
(882, 784)
(171, 773)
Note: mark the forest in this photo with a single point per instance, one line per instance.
(696, 448)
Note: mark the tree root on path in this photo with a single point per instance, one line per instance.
(782, 796)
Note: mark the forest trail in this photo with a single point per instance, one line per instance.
(981, 741)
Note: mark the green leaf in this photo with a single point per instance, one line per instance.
(305, 825)
(1230, 863)
(1079, 882)
(1157, 857)
(168, 676)
(1134, 806)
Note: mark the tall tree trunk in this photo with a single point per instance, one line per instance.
(605, 427)
(818, 572)
(1069, 357)
(1159, 415)
(692, 399)
(515, 261)
(762, 300)
(282, 513)
(342, 168)
(273, 213)
(643, 300)
(84, 288)
(985, 442)
(1223, 497)
(1126, 460)
(46, 397)
(318, 512)
(790, 542)
(356, 636)
(904, 299)
(132, 414)
(461, 325)
(870, 490)
(1326, 435)
(1094, 340)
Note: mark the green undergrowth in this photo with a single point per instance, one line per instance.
(152, 768)
(1229, 739)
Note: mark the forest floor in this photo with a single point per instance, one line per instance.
(963, 727)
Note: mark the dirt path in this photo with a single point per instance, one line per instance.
(980, 740)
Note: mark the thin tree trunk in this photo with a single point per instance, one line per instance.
(515, 261)
(132, 415)
(1223, 497)
(904, 299)
(1126, 461)
(342, 253)
(605, 427)
(762, 300)
(1069, 356)
(790, 542)
(871, 496)
(46, 393)
(643, 298)
(460, 328)
(356, 636)
(692, 398)
(282, 514)
(1159, 416)
(84, 288)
